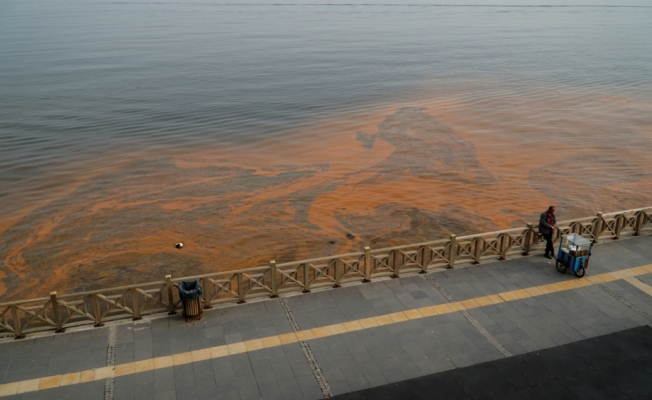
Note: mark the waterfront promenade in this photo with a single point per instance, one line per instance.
(361, 336)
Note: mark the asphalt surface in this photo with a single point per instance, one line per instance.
(614, 366)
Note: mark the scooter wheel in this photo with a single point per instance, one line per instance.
(580, 272)
(561, 267)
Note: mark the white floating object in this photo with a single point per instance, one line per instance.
(179, 245)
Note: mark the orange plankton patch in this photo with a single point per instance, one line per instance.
(480, 161)
(331, 141)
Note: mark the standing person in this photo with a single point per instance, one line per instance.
(547, 225)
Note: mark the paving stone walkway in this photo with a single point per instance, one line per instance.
(342, 340)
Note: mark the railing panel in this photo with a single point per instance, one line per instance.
(6, 321)
(28, 316)
(316, 275)
(37, 317)
(254, 285)
(517, 243)
(300, 277)
(436, 256)
(349, 268)
(77, 310)
(465, 251)
(381, 264)
(221, 288)
(645, 224)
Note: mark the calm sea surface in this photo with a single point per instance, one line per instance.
(128, 126)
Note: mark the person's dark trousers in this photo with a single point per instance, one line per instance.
(550, 249)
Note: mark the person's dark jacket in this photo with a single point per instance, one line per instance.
(544, 224)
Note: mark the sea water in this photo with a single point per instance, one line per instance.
(258, 131)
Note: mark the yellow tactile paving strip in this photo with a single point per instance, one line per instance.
(74, 378)
(639, 284)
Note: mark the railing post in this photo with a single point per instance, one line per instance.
(168, 283)
(207, 295)
(272, 271)
(135, 305)
(367, 264)
(97, 313)
(597, 227)
(336, 274)
(424, 261)
(476, 250)
(504, 241)
(306, 277)
(452, 255)
(57, 312)
(241, 292)
(620, 223)
(639, 222)
(395, 264)
(18, 328)
(527, 240)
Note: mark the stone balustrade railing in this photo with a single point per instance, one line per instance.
(59, 312)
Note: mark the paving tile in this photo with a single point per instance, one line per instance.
(90, 390)
(481, 380)
(289, 387)
(50, 394)
(522, 371)
(608, 356)
(593, 385)
(163, 380)
(630, 379)
(125, 387)
(206, 392)
(167, 395)
(553, 391)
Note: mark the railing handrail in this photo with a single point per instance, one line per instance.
(405, 246)
(250, 270)
(86, 293)
(19, 302)
(626, 211)
(320, 259)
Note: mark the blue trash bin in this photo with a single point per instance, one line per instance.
(190, 295)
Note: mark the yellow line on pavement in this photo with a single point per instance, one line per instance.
(96, 374)
(639, 284)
